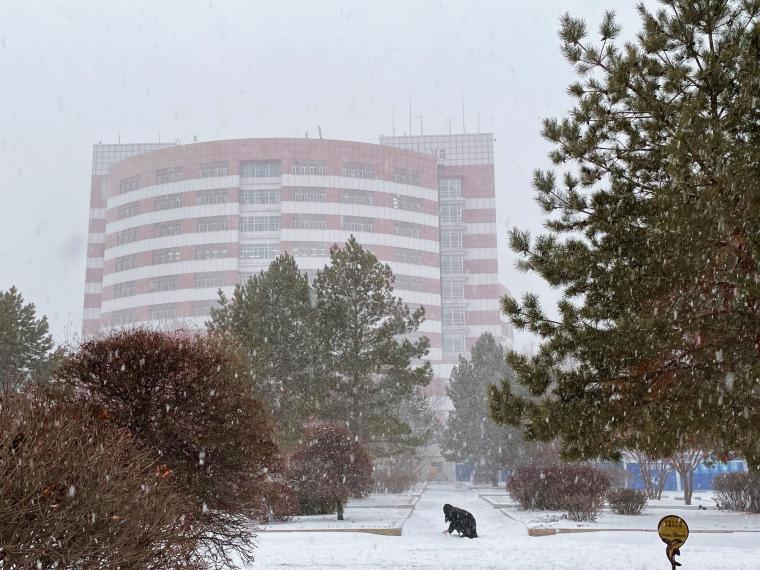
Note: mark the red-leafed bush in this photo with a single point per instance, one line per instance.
(76, 492)
(627, 501)
(329, 468)
(577, 489)
(738, 492)
(189, 399)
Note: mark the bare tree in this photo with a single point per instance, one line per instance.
(654, 473)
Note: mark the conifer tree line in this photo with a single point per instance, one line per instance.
(651, 215)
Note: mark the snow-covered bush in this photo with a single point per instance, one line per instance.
(77, 492)
(189, 399)
(329, 468)
(737, 492)
(578, 489)
(627, 501)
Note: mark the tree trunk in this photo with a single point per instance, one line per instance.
(687, 486)
(340, 511)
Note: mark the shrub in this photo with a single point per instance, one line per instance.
(396, 474)
(76, 492)
(577, 488)
(189, 399)
(329, 468)
(627, 501)
(737, 492)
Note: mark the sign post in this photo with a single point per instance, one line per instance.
(673, 531)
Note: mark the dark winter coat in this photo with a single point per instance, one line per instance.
(461, 521)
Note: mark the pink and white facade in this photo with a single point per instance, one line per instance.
(170, 225)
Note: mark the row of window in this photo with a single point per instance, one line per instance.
(157, 313)
(450, 213)
(452, 263)
(173, 255)
(454, 343)
(259, 251)
(259, 223)
(449, 188)
(269, 169)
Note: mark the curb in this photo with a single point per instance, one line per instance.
(382, 531)
(540, 531)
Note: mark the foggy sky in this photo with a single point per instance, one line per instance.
(74, 73)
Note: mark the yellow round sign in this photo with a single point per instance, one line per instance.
(673, 531)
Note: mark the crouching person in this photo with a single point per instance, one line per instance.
(459, 520)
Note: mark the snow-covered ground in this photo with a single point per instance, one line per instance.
(503, 543)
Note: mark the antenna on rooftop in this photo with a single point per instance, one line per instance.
(464, 128)
(319, 129)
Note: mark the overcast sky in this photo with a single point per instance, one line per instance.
(77, 72)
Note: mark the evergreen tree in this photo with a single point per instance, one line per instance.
(371, 354)
(471, 435)
(25, 343)
(272, 317)
(652, 238)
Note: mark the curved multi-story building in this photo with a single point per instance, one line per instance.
(170, 225)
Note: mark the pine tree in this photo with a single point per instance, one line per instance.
(652, 238)
(25, 343)
(471, 435)
(272, 317)
(371, 356)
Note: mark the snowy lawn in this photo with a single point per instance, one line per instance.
(503, 543)
(697, 520)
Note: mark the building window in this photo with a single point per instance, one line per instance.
(129, 184)
(358, 198)
(407, 203)
(309, 195)
(166, 175)
(260, 169)
(309, 222)
(126, 262)
(124, 290)
(213, 169)
(451, 238)
(451, 213)
(453, 316)
(212, 197)
(403, 283)
(410, 258)
(201, 310)
(308, 249)
(358, 225)
(121, 318)
(126, 236)
(166, 256)
(260, 224)
(259, 251)
(358, 170)
(452, 264)
(210, 252)
(167, 229)
(403, 176)
(128, 210)
(208, 280)
(212, 224)
(169, 283)
(406, 230)
(450, 188)
(453, 290)
(309, 167)
(167, 202)
(162, 312)
(259, 196)
(454, 343)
